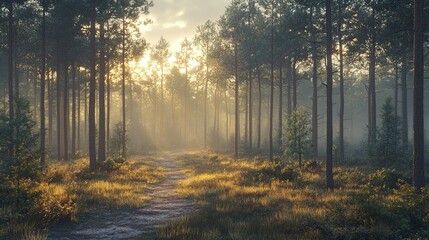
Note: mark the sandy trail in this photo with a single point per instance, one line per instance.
(141, 223)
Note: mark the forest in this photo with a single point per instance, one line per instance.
(280, 119)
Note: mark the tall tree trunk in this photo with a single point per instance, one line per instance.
(73, 137)
(315, 124)
(101, 102)
(78, 111)
(123, 91)
(373, 123)
(289, 87)
(418, 122)
(85, 104)
(10, 72)
(108, 92)
(404, 73)
(108, 108)
(294, 85)
(50, 109)
(66, 118)
(259, 105)
(59, 141)
(92, 85)
(250, 110)
(205, 101)
(340, 42)
(237, 112)
(185, 131)
(272, 87)
(280, 130)
(42, 90)
(246, 111)
(226, 119)
(396, 87)
(329, 129)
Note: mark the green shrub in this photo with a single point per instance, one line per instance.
(312, 166)
(409, 204)
(384, 179)
(273, 171)
(55, 204)
(111, 164)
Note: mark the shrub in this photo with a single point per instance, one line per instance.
(273, 171)
(111, 164)
(384, 179)
(55, 204)
(312, 166)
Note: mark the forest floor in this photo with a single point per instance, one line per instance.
(164, 205)
(202, 195)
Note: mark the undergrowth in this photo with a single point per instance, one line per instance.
(256, 199)
(67, 191)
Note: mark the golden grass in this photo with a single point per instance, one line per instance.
(232, 207)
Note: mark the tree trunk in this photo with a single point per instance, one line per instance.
(10, 72)
(289, 87)
(237, 112)
(396, 87)
(373, 123)
(42, 90)
(108, 107)
(418, 122)
(78, 111)
(66, 108)
(205, 103)
(294, 85)
(329, 129)
(92, 85)
(246, 111)
(250, 111)
(101, 102)
(259, 106)
(280, 130)
(315, 124)
(58, 105)
(50, 109)
(272, 88)
(123, 91)
(73, 152)
(341, 122)
(404, 73)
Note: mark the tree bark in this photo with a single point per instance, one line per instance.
(101, 98)
(66, 107)
(92, 85)
(259, 105)
(340, 42)
(294, 85)
(123, 91)
(418, 120)
(42, 90)
(373, 122)
(272, 87)
(73, 137)
(404, 90)
(50, 109)
(237, 112)
(250, 111)
(329, 129)
(280, 130)
(10, 72)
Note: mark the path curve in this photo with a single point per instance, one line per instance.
(165, 205)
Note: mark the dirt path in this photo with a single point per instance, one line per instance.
(140, 223)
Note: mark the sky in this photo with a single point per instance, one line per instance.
(177, 19)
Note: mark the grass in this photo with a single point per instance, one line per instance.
(236, 202)
(68, 191)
